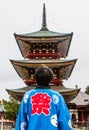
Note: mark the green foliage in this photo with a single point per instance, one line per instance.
(11, 108)
(87, 90)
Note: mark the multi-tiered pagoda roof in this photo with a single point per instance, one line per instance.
(48, 48)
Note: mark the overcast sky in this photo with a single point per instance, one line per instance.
(23, 16)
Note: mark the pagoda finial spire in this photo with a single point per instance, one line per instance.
(44, 25)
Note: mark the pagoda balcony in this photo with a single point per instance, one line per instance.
(57, 82)
(30, 82)
(41, 55)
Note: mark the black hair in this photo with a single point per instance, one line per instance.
(43, 75)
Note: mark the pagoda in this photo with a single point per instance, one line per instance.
(44, 48)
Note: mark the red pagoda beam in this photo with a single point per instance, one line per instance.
(30, 82)
(32, 55)
(57, 82)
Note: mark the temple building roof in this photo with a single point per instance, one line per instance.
(44, 33)
(82, 99)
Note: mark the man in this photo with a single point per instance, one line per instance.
(43, 108)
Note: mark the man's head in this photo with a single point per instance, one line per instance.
(43, 75)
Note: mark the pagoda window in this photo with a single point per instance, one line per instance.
(44, 50)
(56, 70)
(58, 75)
(47, 51)
(40, 51)
(55, 76)
(53, 46)
(24, 72)
(37, 45)
(37, 50)
(40, 46)
(32, 76)
(33, 46)
(53, 51)
(56, 79)
(31, 51)
(34, 51)
(56, 49)
(50, 50)
(43, 45)
(49, 47)
(31, 71)
(46, 46)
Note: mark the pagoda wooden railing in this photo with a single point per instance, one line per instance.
(30, 82)
(57, 82)
(40, 55)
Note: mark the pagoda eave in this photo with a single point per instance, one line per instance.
(43, 34)
(67, 93)
(23, 67)
(38, 62)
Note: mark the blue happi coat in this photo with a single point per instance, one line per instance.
(43, 109)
